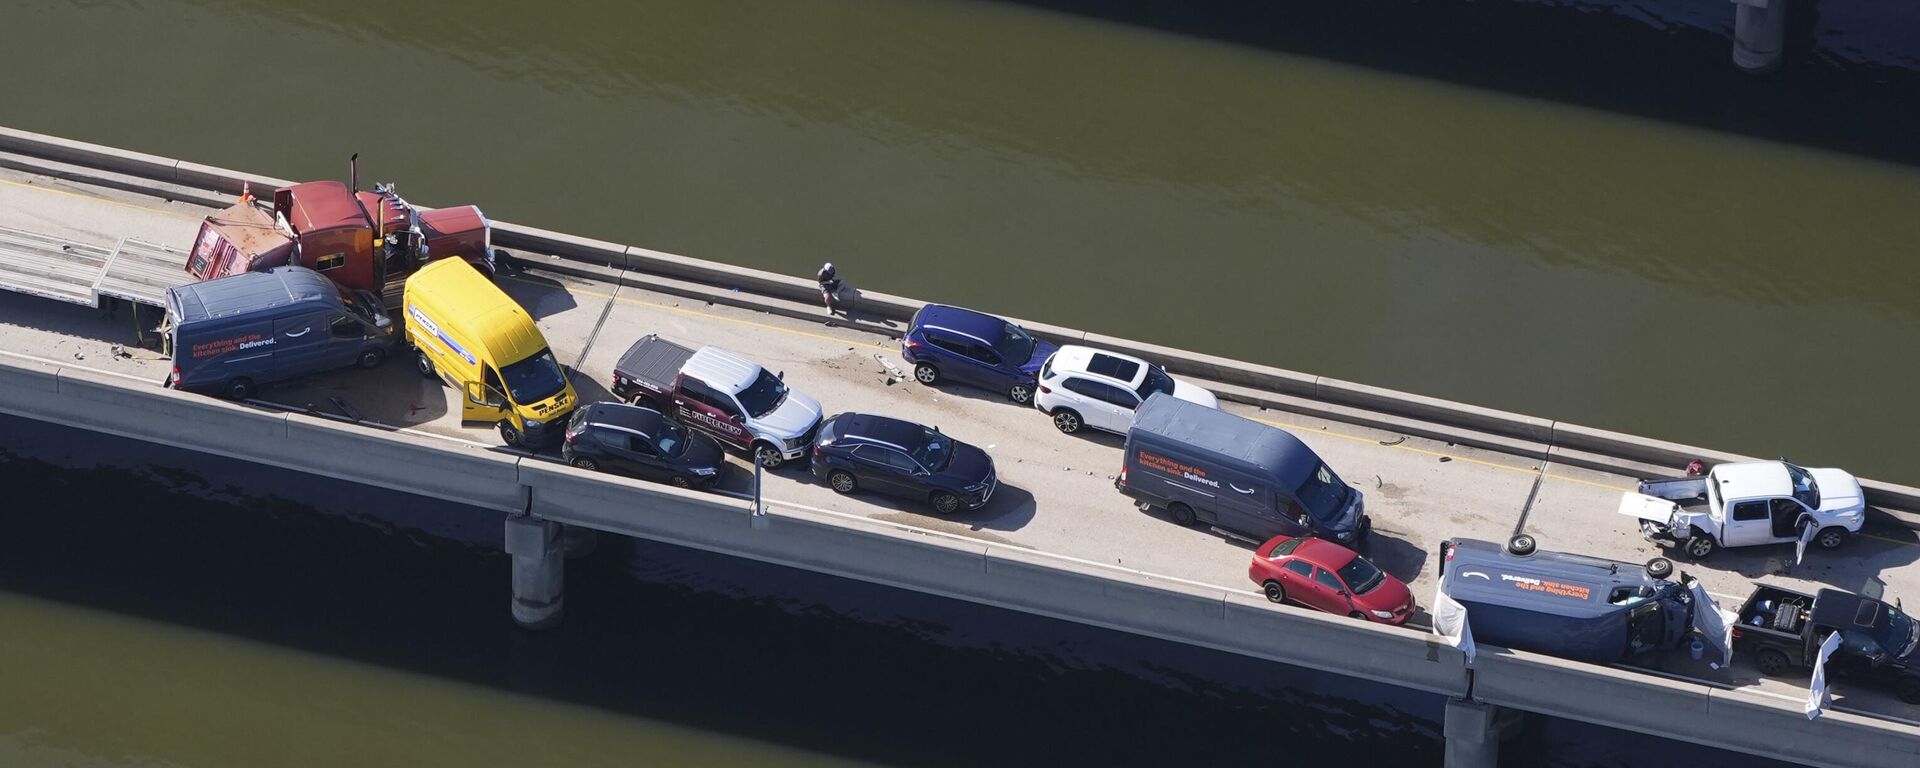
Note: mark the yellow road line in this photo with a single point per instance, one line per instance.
(713, 316)
(93, 199)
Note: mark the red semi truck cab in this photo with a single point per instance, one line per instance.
(360, 240)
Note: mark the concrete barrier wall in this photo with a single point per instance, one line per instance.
(1004, 576)
(1470, 419)
(142, 410)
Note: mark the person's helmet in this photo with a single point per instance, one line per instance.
(827, 267)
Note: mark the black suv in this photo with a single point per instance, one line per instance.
(639, 441)
(857, 451)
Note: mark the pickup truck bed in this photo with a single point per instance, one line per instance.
(1777, 609)
(1688, 492)
(649, 366)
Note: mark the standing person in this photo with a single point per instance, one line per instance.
(829, 286)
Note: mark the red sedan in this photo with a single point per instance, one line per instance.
(1320, 574)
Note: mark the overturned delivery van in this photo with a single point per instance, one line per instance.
(1207, 465)
(234, 334)
(1565, 605)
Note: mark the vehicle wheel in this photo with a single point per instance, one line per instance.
(1021, 393)
(1830, 537)
(768, 456)
(680, 481)
(842, 482)
(1357, 615)
(926, 374)
(1773, 663)
(1068, 421)
(1659, 568)
(1274, 591)
(1908, 689)
(372, 358)
(424, 364)
(239, 389)
(585, 463)
(1182, 514)
(509, 435)
(1521, 545)
(945, 503)
(1700, 545)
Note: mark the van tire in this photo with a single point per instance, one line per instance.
(1068, 421)
(1521, 545)
(1182, 514)
(510, 435)
(1275, 592)
(1830, 537)
(423, 364)
(926, 374)
(372, 359)
(1908, 689)
(1021, 393)
(1659, 568)
(1699, 545)
(1773, 662)
(239, 389)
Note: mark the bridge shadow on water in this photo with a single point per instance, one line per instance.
(691, 638)
(1629, 60)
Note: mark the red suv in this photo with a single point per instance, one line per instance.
(1320, 574)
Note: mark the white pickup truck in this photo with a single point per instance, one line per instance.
(1746, 504)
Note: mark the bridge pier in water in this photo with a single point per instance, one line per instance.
(1759, 34)
(539, 553)
(1474, 731)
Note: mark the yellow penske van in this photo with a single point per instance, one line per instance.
(474, 337)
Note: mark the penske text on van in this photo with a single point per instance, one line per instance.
(474, 337)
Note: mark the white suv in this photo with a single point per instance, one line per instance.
(1083, 386)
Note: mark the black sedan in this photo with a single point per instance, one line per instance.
(640, 442)
(858, 451)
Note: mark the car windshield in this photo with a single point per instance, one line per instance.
(936, 453)
(1014, 345)
(671, 439)
(1323, 494)
(766, 394)
(1156, 381)
(1361, 576)
(1804, 488)
(534, 379)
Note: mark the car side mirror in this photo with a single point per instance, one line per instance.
(782, 375)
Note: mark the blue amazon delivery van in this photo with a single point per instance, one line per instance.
(234, 334)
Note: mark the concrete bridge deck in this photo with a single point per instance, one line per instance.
(1057, 495)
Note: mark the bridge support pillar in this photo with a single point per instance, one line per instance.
(1473, 731)
(1759, 32)
(539, 569)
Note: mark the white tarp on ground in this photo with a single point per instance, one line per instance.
(1714, 625)
(1817, 698)
(1450, 622)
(1807, 529)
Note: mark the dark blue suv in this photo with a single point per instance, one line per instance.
(961, 345)
(858, 451)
